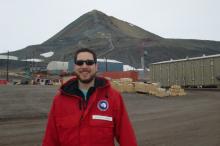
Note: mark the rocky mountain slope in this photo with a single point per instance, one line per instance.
(112, 38)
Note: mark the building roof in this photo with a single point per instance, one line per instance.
(193, 58)
(8, 57)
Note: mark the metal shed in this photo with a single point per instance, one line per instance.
(197, 71)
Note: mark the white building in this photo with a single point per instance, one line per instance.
(57, 65)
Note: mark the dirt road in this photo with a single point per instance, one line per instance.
(191, 120)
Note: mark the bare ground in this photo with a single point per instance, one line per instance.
(191, 120)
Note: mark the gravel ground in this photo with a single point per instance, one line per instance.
(191, 120)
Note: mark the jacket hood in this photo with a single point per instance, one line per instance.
(71, 86)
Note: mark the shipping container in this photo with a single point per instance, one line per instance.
(194, 72)
(3, 82)
(110, 66)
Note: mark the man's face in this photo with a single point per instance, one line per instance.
(85, 68)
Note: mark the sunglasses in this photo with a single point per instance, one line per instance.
(88, 62)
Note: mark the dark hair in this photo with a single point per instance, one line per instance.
(85, 50)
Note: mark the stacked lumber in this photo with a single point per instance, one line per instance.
(127, 85)
(176, 90)
(126, 80)
(140, 87)
(116, 84)
(161, 92)
(156, 90)
(123, 85)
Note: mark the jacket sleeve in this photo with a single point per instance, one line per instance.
(123, 129)
(51, 135)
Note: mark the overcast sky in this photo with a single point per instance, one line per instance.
(29, 22)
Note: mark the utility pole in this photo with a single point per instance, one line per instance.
(145, 56)
(33, 63)
(26, 66)
(106, 64)
(7, 62)
(143, 52)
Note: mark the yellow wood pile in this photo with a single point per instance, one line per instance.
(154, 89)
(176, 90)
(123, 85)
(127, 85)
(140, 87)
(117, 85)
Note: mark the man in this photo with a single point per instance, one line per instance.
(87, 111)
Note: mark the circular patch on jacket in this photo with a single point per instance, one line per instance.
(103, 105)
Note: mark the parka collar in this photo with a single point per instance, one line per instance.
(71, 87)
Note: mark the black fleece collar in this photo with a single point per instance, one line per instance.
(72, 87)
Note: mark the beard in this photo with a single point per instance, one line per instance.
(88, 80)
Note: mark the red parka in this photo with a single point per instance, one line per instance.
(74, 122)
